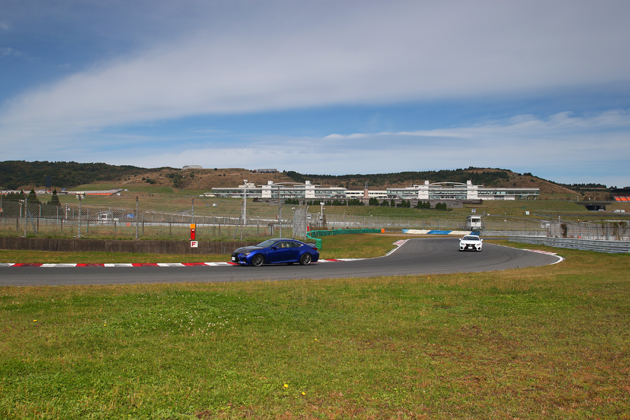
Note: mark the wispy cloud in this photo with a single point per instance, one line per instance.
(562, 147)
(8, 51)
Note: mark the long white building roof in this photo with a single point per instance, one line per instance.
(426, 191)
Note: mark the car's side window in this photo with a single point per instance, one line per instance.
(287, 244)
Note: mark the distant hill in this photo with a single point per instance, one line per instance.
(27, 175)
(490, 177)
(16, 174)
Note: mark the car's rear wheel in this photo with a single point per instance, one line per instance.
(306, 259)
(258, 260)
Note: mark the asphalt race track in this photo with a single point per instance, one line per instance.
(416, 256)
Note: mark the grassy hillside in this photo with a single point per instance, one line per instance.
(479, 176)
(17, 174)
(72, 175)
(400, 179)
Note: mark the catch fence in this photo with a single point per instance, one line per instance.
(601, 231)
(437, 221)
(136, 222)
(151, 218)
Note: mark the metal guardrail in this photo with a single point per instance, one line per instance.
(611, 247)
(510, 233)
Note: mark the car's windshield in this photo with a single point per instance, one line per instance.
(267, 243)
(471, 238)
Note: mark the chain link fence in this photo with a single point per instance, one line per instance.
(139, 221)
(605, 231)
(436, 222)
(152, 218)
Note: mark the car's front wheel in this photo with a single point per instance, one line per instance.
(305, 259)
(258, 260)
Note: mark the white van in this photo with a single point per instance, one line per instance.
(106, 217)
(474, 223)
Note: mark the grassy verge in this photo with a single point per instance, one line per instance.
(547, 342)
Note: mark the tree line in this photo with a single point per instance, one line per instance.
(31, 198)
(12, 204)
(478, 177)
(15, 173)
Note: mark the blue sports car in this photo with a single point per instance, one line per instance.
(276, 251)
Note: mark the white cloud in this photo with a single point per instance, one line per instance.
(524, 138)
(273, 59)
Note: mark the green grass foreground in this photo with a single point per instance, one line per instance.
(548, 342)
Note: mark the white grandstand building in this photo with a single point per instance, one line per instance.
(426, 192)
(283, 189)
(460, 191)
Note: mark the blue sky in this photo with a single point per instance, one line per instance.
(320, 86)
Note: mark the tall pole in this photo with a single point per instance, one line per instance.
(321, 215)
(305, 219)
(25, 213)
(137, 215)
(279, 212)
(19, 219)
(79, 197)
(245, 203)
